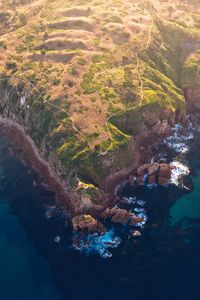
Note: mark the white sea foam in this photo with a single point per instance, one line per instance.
(144, 216)
(177, 141)
(141, 202)
(130, 200)
(151, 186)
(98, 244)
(179, 170)
(139, 210)
(136, 233)
(49, 211)
(57, 239)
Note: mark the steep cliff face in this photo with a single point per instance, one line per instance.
(94, 84)
(190, 82)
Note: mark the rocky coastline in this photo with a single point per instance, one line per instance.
(24, 147)
(84, 218)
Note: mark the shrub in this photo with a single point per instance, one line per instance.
(70, 83)
(81, 61)
(56, 81)
(3, 45)
(11, 66)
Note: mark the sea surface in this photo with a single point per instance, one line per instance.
(38, 262)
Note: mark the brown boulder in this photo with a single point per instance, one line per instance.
(162, 129)
(152, 179)
(135, 220)
(122, 216)
(156, 127)
(105, 214)
(152, 169)
(157, 173)
(164, 174)
(150, 118)
(139, 180)
(162, 180)
(88, 223)
(142, 170)
(165, 170)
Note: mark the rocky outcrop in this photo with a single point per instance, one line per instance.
(117, 215)
(155, 127)
(122, 216)
(155, 173)
(192, 96)
(164, 174)
(87, 223)
(162, 129)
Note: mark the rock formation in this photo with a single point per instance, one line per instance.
(117, 215)
(155, 173)
(87, 223)
(122, 216)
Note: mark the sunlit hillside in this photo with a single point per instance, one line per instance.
(85, 78)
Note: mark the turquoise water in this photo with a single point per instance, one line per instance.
(187, 206)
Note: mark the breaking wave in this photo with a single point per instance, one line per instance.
(177, 141)
(179, 171)
(96, 244)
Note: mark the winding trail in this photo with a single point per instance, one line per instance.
(126, 109)
(150, 34)
(51, 105)
(140, 79)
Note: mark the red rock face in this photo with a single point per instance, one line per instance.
(192, 96)
(117, 215)
(162, 129)
(122, 216)
(152, 169)
(156, 173)
(87, 223)
(142, 169)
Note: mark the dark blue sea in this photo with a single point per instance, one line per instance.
(164, 263)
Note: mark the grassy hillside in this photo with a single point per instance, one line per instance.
(83, 75)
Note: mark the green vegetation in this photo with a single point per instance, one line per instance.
(191, 71)
(87, 102)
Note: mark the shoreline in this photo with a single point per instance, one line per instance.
(22, 143)
(71, 201)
